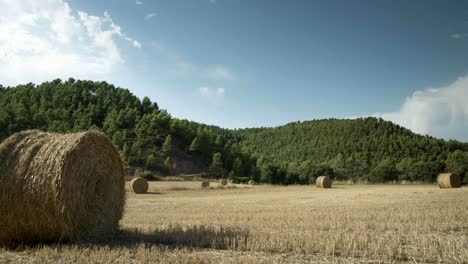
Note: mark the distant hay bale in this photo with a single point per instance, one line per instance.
(138, 185)
(205, 184)
(56, 187)
(323, 182)
(252, 182)
(223, 182)
(449, 180)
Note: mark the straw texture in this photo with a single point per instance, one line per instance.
(449, 180)
(223, 182)
(56, 187)
(323, 182)
(138, 185)
(205, 184)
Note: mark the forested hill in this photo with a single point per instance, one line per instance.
(356, 149)
(148, 137)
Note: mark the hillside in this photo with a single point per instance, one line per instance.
(358, 149)
(146, 135)
(367, 149)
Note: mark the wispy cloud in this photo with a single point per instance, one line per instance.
(213, 1)
(207, 91)
(149, 16)
(138, 2)
(213, 95)
(178, 67)
(459, 35)
(220, 72)
(440, 112)
(72, 43)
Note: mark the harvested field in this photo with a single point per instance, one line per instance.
(272, 224)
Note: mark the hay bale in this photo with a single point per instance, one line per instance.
(205, 184)
(323, 182)
(223, 182)
(129, 178)
(138, 185)
(252, 182)
(449, 180)
(56, 187)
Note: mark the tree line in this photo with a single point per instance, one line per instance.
(146, 135)
(363, 149)
(366, 149)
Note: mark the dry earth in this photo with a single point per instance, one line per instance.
(178, 222)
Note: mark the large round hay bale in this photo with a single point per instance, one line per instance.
(205, 184)
(449, 180)
(252, 182)
(223, 182)
(56, 187)
(138, 185)
(323, 182)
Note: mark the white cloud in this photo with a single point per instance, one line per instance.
(459, 35)
(45, 39)
(214, 96)
(138, 2)
(220, 72)
(215, 73)
(149, 16)
(441, 112)
(212, 92)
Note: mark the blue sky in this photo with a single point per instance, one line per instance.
(237, 63)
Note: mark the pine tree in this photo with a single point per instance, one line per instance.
(195, 146)
(216, 167)
(238, 168)
(457, 162)
(167, 146)
(151, 161)
(167, 164)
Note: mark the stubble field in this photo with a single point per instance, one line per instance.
(177, 222)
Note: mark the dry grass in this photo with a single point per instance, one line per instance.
(165, 186)
(266, 224)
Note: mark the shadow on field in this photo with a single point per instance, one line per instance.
(153, 193)
(172, 236)
(177, 236)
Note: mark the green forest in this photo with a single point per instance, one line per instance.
(365, 149)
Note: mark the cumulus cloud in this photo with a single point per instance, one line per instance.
(440, 112)
(45, 39)
(149, 16)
